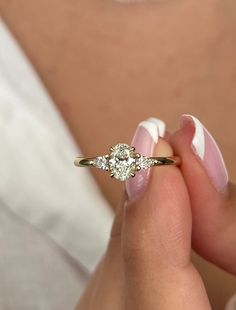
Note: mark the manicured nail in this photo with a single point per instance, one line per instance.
(144, 140)
(206, 148)
(231, 305)
(161, 126)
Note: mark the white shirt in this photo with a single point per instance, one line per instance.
(54, 221)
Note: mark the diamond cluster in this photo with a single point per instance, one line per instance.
(123, 162)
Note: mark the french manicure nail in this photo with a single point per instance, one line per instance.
(161, 126)
(206, 148)
(145, 139)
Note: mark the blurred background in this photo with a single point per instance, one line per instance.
(103, 67)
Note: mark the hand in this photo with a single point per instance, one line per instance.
(147, 263)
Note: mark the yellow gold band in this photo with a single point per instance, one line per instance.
(157, 161)
(123, 162)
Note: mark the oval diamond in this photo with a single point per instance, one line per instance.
(122, 162)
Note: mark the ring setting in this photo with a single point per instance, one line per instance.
(124, 162)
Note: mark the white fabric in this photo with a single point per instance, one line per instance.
(34, 272)
(40, 185)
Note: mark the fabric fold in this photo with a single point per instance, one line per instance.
(38, 180)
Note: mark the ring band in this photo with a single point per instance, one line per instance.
(123, 162)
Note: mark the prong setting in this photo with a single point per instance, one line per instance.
(123, 162)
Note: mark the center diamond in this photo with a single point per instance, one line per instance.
(122, 162)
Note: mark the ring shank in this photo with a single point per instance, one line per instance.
(160, 161)
(169, 160)
(84, 162)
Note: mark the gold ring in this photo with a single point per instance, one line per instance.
(123, 162)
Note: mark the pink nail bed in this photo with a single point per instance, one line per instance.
(144, 141)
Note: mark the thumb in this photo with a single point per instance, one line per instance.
(213, 197)
(156, 236)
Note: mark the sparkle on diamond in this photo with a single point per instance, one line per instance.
(101, 162)
(122, 162)
(144, 162)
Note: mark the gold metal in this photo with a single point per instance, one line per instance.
(159, 161)
(118, 163)
(84, 162)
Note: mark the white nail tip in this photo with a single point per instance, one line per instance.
(151, 128)
(198, 141)
(160, 125)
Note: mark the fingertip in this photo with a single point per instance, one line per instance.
(205, 149)
(212, 196)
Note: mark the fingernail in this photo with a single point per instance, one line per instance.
(144, 140)
(161, 126)
(231, 305)
(206, 148)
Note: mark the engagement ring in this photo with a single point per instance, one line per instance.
(123, 162)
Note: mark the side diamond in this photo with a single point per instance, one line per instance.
(101, 162)
(144, 162)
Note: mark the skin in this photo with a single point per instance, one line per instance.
(164, 59)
